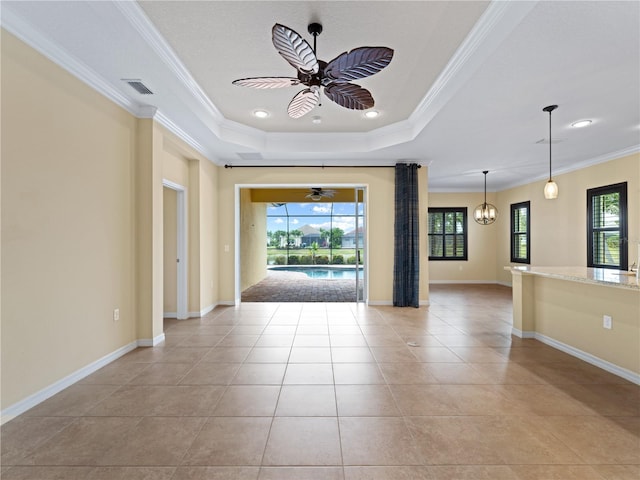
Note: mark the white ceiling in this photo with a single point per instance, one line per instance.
(463, 93)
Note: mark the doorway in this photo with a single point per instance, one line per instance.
(175, 251)
(322, 242)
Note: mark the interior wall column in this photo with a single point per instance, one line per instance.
(149, 234)
(193, 238)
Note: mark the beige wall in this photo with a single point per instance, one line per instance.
(67, 223)
(82, 224)
(193, 237)
(559, 227)
(148, 231)
(571, 313)
(481, 242)
(253, 240)
(208, 220)
(380, 200)
(170, 250)
(187, 168)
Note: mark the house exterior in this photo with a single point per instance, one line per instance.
(309, 235)
(349, 238)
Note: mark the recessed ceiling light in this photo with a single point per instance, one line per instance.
(581, 123)
(316, 120)
(372, 114)
(260, 113)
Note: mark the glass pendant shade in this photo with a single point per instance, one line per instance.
(485, 213)
(551, 190)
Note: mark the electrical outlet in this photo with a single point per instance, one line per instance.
(116, 314)
(607, 322)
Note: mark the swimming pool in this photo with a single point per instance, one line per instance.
(326, 272)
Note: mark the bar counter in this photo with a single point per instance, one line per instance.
(596, 276)
(565, 307)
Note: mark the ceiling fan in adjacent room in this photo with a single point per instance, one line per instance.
(333, 76)
(316, 194)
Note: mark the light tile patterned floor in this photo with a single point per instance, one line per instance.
(333, 391)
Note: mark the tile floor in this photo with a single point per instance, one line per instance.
(332, 391)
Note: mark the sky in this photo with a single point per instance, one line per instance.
(321, 216)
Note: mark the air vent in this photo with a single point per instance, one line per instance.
(138, 86)
(250, 155)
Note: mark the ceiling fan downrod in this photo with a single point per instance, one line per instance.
(314, 29)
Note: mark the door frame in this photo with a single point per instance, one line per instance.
(237, 232)
(182, 260)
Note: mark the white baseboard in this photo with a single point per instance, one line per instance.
(582, 355)
(208, 309)
(56, 387)
(519, 333)
(462, 282)
(189, 314)
(151, 342)
(373, 303)
(199, 314)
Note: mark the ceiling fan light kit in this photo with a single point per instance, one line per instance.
(485, 213)
(316, 194)
(314, 74)
(551, 187)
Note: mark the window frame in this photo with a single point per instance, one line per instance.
(465, 233)
(527, 233)
(621, 189)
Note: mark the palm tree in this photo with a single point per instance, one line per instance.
(312, 251)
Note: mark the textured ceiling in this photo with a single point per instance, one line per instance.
(464, 92)
(223, 41)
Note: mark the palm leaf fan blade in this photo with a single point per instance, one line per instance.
(358, 63)
(294, 49)
(266, 82)
(349, 95)
(303, 102)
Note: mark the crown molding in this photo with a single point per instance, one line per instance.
(136, 16)
(31, 36)
(167, 123)
(496, 23)
(494, 26)
(605, 157)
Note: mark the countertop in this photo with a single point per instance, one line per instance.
(594, 276)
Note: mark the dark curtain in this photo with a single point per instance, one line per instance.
(406, 257)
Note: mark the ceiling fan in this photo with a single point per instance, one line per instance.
(316, 194)
(334, 76)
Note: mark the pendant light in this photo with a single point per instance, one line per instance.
(485, 213)
(551, 188)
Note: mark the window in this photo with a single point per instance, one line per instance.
(520, 232)
(607, 226)
(448, 233)
(314, 232)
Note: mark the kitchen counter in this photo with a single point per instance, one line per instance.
(598, 276)
(590, 313)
